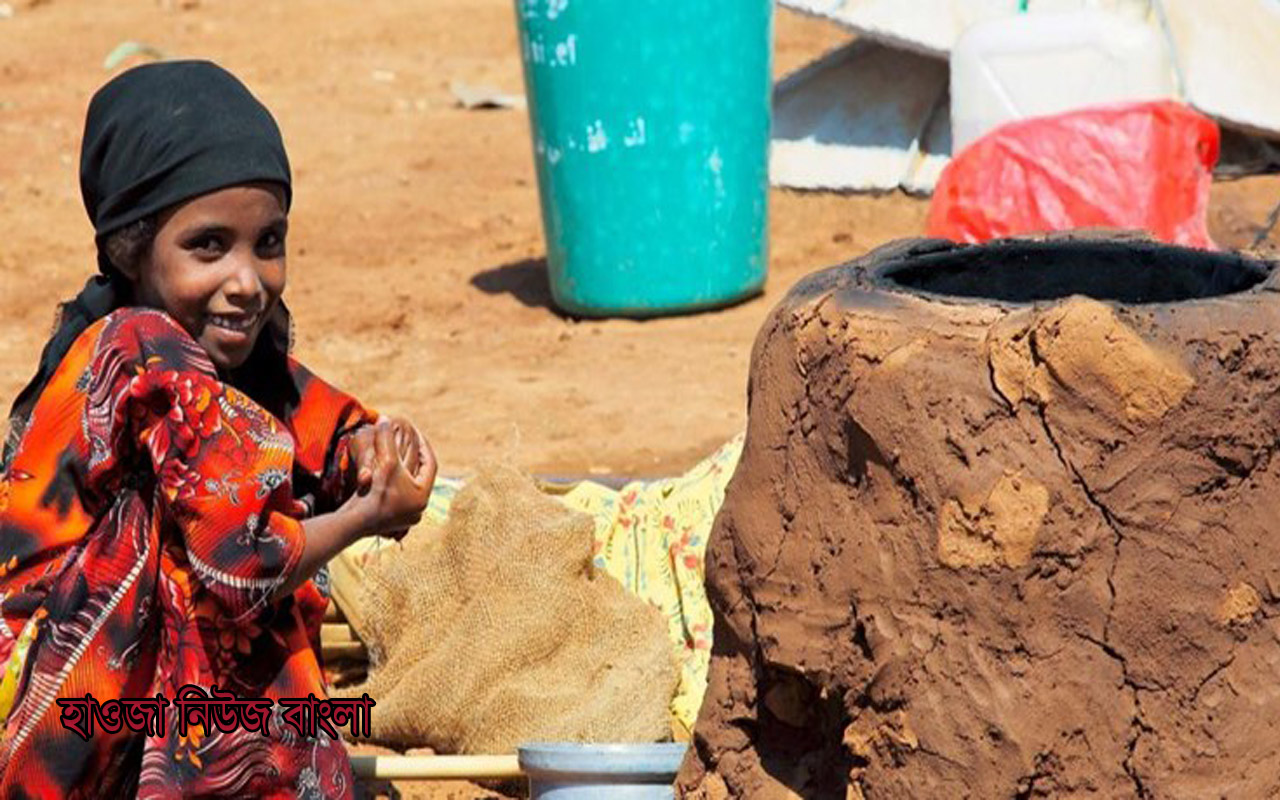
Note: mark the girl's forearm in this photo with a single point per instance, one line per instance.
(326, 536)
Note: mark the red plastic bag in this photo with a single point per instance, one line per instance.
(1145, 166)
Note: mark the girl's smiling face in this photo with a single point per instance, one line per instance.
(217, 266)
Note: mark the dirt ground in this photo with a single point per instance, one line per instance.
(416, 275)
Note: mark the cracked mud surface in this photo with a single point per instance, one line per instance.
(1005, 547)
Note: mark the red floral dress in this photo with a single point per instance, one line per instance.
(147, 517)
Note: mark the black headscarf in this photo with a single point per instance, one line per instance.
(155, 136)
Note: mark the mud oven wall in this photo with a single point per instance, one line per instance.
(1007, 524)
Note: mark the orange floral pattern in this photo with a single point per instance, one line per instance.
(151, 511)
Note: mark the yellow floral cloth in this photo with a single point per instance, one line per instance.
(652, 537)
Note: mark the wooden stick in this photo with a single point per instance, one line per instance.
(336, 633)
(434, 768)
(1267, 227)
(336, 650)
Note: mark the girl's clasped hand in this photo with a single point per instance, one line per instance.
(395, 469)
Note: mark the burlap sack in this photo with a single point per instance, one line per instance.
(499, 631)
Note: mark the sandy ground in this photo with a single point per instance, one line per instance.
(416, 277)
(415, 273)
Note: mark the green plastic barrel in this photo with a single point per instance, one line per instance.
(650, 124)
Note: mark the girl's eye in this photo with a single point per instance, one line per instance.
(205, 245)
(271, 244)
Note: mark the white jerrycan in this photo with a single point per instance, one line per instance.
(1035, 64)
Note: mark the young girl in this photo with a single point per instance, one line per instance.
(173, 478)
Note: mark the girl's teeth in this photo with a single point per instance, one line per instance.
(233, 324)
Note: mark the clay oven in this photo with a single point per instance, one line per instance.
(1006, 525)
